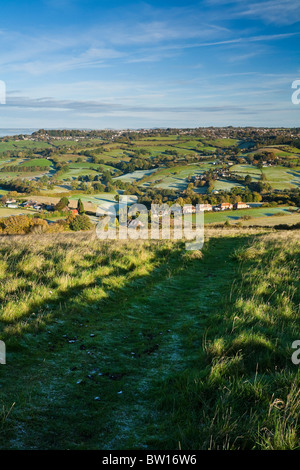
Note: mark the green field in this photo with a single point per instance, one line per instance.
(135, 176)
(42, 162)
(234, 216)
(73, 173)
(83, 165)
(283, 178)
(223, 143)
(20, 145)
(226, 185)
(23, 174)
(244, 170)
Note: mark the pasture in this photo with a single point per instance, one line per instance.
(234, 216)
(282, 177)
(41, 162)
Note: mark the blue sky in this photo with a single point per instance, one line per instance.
(118, 64)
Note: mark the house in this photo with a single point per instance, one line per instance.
(240, 205)
(29, 204)
(11, 201)
(225, 206)
(205, 207)
(74, 211)
(188, 209)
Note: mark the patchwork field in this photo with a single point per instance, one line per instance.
(280, 178)
(176, 177)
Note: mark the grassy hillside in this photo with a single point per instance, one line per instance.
(116, 345)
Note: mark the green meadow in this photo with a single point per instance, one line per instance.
(42, 162)
(253, 214)
(282, 178)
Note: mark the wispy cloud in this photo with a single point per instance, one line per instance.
(96, 107)
(278, 12)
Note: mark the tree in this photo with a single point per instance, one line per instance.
(256, 197)
(80, 207)
(98, 187)
(80, 222)
(62, 204)
(248, 179)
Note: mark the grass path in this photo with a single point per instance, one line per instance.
(181, 305)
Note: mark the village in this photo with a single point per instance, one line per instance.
(51, 207)
(34, 205)
(224, 206)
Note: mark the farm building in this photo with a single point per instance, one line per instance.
(188, 209)
(225, 206)
(240, 205)
(205, 207)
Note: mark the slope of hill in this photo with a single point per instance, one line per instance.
(144, 345)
